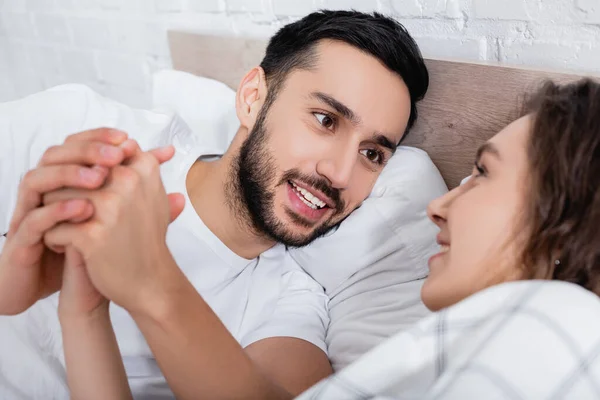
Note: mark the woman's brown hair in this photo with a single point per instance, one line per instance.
(563, 212)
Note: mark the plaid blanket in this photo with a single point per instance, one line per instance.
(520, 340)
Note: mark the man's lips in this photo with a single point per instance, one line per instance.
(301, 206)
(316, 193)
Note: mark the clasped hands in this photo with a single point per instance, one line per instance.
(91, 221)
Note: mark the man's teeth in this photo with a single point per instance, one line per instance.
(308, 198)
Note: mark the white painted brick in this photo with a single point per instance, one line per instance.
(168, 6)
(4, 60)
(564, 33)
(588, 60)
(453, 48)
(554, 13)
(207, 6)
(5, 80)
(158, 63)
(432, 27)
(358, 5)
(52, 28)
(454, 9)
(87, 5)
(215, 24)
(17, 55)
(244, 26)
(7, 91)
(122, 70)
(424, 8)
(90, 33)
(40, 5)
(65, 4)
(540, 54)
(51, 80)
(45, 60)
(79, 65)
(125, 5)
(2, 27)
(4, 52)
(110, 4)
(590, 9)
(18, 25)
(15, 6)
(503, 9)
(26, 81)
(254, 6)
(138, 37)
(554, 34)
(293, 8)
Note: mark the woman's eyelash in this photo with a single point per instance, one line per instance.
(480, 168)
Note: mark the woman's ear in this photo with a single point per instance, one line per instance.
(251, 96)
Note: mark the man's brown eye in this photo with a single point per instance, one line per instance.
(325, 120)
(372, 155)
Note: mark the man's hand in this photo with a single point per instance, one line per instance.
(124, 244)
(28, 270)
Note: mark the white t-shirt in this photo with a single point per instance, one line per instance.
(270, 296)
(265, 297)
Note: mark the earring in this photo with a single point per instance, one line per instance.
(556, 262)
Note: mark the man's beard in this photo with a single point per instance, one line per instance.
(252, 186)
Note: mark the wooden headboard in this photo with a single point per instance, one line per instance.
(466, 103)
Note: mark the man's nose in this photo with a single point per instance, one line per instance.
(339, 165)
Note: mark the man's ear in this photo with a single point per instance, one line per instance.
(251, 96)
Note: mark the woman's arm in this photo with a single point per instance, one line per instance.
(94, 366)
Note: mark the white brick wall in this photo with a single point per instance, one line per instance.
(115, 45)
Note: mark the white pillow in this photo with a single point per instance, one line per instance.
(372, 267)
(206, 105)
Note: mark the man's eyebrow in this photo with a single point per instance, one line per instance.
(383, 141)
(488, 148)
(338, 106)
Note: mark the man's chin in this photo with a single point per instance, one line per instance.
(296, 239)
(294, 231)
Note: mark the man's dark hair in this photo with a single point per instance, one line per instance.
(293, 47)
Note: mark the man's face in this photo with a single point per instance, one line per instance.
(314, 155)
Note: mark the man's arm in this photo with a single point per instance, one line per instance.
(196, 353)
(200, 358)
(279, 360)
(289, 345)
(294, 364)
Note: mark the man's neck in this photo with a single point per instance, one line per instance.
(207, 188)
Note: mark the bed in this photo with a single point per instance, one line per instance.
(374, 288)
(466, 104)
